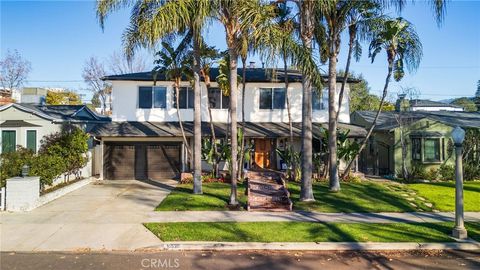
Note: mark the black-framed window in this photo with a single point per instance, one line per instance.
(185, 98)
(217, 99)
(152, 97)
(431, 151)
(416, 149)
(272, 98)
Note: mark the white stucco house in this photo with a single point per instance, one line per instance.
(144, 141)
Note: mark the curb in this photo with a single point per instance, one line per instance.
(314, 246)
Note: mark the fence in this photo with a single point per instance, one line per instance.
(2, 199)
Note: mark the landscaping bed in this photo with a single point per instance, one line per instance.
(308, 232)
(215, 196)
(442, 194)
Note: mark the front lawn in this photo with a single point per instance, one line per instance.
(215, 197)
(443, 194)
(307, 232)
(365, 196)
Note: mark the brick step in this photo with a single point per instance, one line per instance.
(270, 209)
(263, 186)
(256, 199)
(267, 193)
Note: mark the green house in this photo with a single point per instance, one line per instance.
(425, 135)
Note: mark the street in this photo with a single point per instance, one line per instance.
(243, 260)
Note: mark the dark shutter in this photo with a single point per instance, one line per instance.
(190, 98)
(8, 141)
(145, 97)
(32, 140)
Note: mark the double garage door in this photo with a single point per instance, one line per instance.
(154, 161)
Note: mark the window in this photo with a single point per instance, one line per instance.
(149, 97)
(272, 98)
(185, 98)
(218, 100)
(416, 149)
(432, 150)
(319, 100)
(32, 140)
(8, 141)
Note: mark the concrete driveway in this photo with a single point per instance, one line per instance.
(104, 215)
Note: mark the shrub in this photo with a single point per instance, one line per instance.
(432, 174)
(48, 167)
(447, 172)
(12, 163)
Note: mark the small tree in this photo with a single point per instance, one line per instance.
(63, 98)
(93, 72)
(14, 70)
(466, 103)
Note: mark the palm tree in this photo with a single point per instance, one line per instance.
(171, 64)
(403, 48)
(152, 21)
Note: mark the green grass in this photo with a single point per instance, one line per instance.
(215, 197)
(358, 197)
(307, 232)
(443, 195)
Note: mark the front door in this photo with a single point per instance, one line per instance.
(263, 148)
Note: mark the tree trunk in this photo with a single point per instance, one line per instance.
(197, 122)
(242, 146)
(369, 133)
(347, 69)
(306, 29)
(180, 122)
(212, 129)
(334, 183)
(290, 125)
(233, 124)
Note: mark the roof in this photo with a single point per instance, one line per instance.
(252, 75)
(59, 112)
(16, 123)
(430, 103)
(388, 120)
(172, 129)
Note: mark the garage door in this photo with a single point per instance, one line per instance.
(142, 160)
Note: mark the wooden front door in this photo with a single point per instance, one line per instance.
(263, 148)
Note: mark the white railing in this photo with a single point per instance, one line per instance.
(2, 199)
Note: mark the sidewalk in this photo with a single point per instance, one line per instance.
(244, 216)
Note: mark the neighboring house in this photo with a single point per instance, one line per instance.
(9, 96)
(144, 138)
(426, 136)
(429, 105)
(26, 124)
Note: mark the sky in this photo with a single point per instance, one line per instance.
(57, 37)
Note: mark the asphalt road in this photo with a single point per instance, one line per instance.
(243, 260)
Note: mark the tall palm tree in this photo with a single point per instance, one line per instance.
(152, 21)
(171, 63)
(403, 48)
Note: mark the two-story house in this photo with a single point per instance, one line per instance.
(144, 138)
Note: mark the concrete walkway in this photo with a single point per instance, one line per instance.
(103, 215)
(244, 216)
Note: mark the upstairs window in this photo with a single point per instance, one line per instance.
(272, 98)
(319, 100)
(152, 97)
(217, 99)
(185, 98)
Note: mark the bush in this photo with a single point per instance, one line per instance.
(12, 163)
(48, 167)
(447, 172)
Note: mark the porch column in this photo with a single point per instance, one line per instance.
(101, 159)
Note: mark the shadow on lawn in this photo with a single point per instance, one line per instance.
(365, 197)
(468, 185)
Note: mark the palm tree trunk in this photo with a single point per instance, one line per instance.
(197, 121)
(306, 192)
(233, 126)
(347, 69)
(180, 122)
(334, 183)
(242, 146)
(290, 125)
(369, 133)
